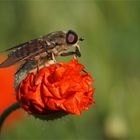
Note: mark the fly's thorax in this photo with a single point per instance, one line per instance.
(56, 50)
(57, 38)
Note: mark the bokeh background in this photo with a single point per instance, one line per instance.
(110, 53)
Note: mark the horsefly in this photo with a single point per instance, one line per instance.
(44, 48)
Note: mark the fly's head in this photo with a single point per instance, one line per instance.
(72, 40)
(66, 40)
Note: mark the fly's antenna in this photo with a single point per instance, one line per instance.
(81, 39)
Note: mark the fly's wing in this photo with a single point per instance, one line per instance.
(22, 52)
(18, 46)
(29, 50)
(9, 61)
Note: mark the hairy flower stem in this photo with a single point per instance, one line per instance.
(7, 112)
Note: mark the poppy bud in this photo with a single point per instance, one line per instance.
(56, 90)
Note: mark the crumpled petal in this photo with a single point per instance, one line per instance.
(59, 87)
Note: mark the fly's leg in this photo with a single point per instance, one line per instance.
(84, 71)
(49, 59)
(53, 57)
(76, 53)
(67, 53)
(37, 67)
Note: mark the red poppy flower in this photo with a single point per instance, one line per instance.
(59, 87)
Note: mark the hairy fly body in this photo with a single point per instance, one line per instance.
(44, 48)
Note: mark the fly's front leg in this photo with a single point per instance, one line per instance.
(76, 53)
(67, 54)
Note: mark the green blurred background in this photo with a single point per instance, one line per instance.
(110, 53)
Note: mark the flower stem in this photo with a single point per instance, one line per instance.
(7, 112)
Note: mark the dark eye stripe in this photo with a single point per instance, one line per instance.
(71, 37)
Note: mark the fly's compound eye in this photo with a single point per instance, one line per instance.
(71, 37)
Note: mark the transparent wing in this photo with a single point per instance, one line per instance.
(22, 52)
(18, 46)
